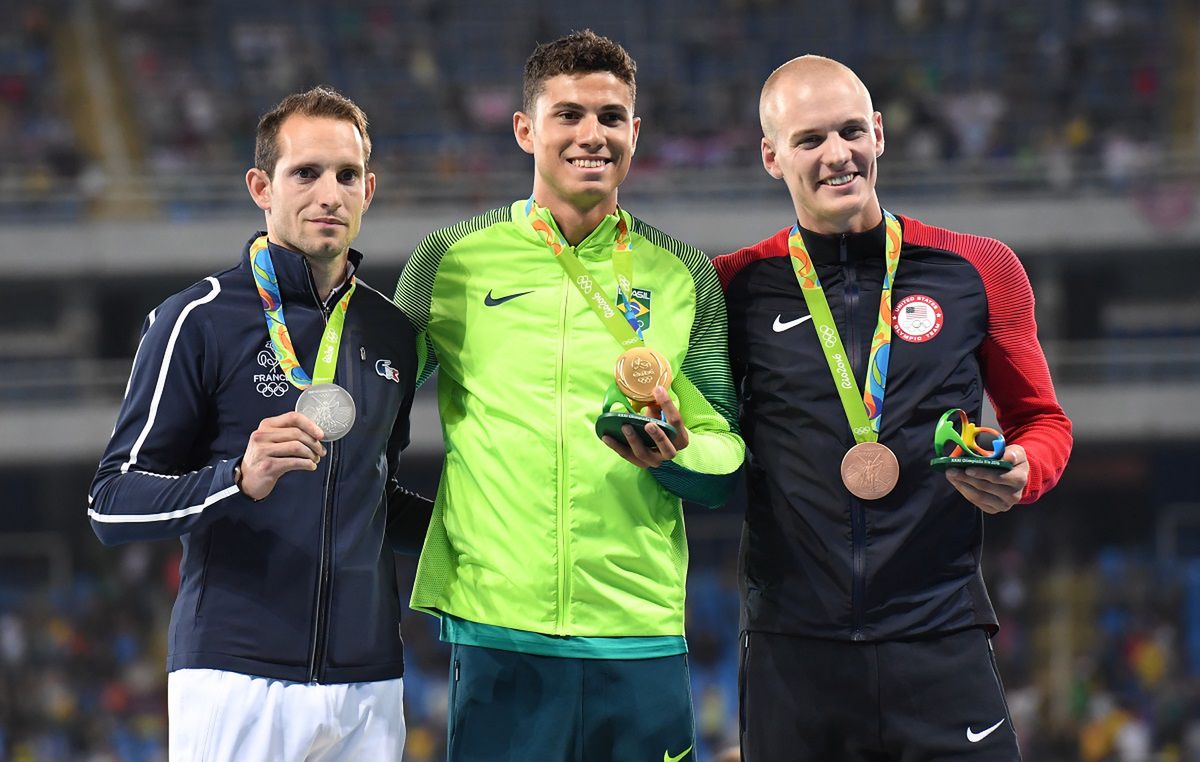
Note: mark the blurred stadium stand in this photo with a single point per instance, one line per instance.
(1067, 129)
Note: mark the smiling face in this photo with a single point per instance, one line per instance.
(582, 134)
(822, 138)
(320, 187)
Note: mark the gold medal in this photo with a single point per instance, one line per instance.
(638, 371)
(870, 470)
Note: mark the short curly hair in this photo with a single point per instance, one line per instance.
(577, 53)
(321, 101)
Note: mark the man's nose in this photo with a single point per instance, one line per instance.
(837, 151)
(589, 132)
(329, 191)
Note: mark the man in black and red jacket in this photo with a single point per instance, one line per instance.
(866, 622)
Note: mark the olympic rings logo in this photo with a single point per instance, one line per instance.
(585, 283)
(272, 388)
(828, 335)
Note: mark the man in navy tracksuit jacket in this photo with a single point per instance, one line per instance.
(284, 641)
(866, 619)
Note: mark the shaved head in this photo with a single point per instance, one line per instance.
(803, 73)
(823, 138)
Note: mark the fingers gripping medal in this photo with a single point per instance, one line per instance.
(323, 402)
(637, 372)
(958, 443)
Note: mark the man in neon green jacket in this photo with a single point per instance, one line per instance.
(557, 560)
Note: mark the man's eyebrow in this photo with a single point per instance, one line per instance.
(802, 131)
(813, 130)
(313, 162)
(621, 107)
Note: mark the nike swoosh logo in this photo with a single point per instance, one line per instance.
(668, 758)
(492, 301)
(781, 326)
(977, 737)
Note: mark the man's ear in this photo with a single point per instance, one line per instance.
(259, 185)
(370, 191)
(877, 126)
(523, 131)
(768, 159)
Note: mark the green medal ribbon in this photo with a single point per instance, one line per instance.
(621, 323)
(281, 340)
(864, 412)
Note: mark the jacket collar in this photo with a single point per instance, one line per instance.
(598, 245)
(295, 277)
(827, 249)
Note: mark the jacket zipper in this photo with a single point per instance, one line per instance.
(858, 519)
(851, 308)
(561, 455)
(320, 624)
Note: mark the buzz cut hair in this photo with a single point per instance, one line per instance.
(320, 101)
(581, 52)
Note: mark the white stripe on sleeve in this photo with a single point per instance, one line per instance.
(138, 518)
(162, 371)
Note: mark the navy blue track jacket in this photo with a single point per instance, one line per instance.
(300, 586)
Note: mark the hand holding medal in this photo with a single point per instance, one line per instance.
(638, 372)
(283, 443)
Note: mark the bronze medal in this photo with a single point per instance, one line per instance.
(638, 371)
(870, 470)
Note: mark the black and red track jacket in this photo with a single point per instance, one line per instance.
(815, 560)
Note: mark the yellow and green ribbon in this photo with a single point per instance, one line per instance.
(865, 417)
(281, 340)
(621, 322)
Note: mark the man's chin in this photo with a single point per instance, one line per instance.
(587, 195)
(325, 248)
(850, 205)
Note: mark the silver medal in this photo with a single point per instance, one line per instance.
(329, 406)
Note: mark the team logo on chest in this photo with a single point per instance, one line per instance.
(640, 304)
(271, 382)
(917, 319)
(384, 368)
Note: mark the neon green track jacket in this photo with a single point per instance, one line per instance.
(538, 526)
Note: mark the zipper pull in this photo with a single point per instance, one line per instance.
(362, 353)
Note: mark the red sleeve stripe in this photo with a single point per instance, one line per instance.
(729, 265)
(1015, 373)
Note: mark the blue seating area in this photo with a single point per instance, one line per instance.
(969, 90)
